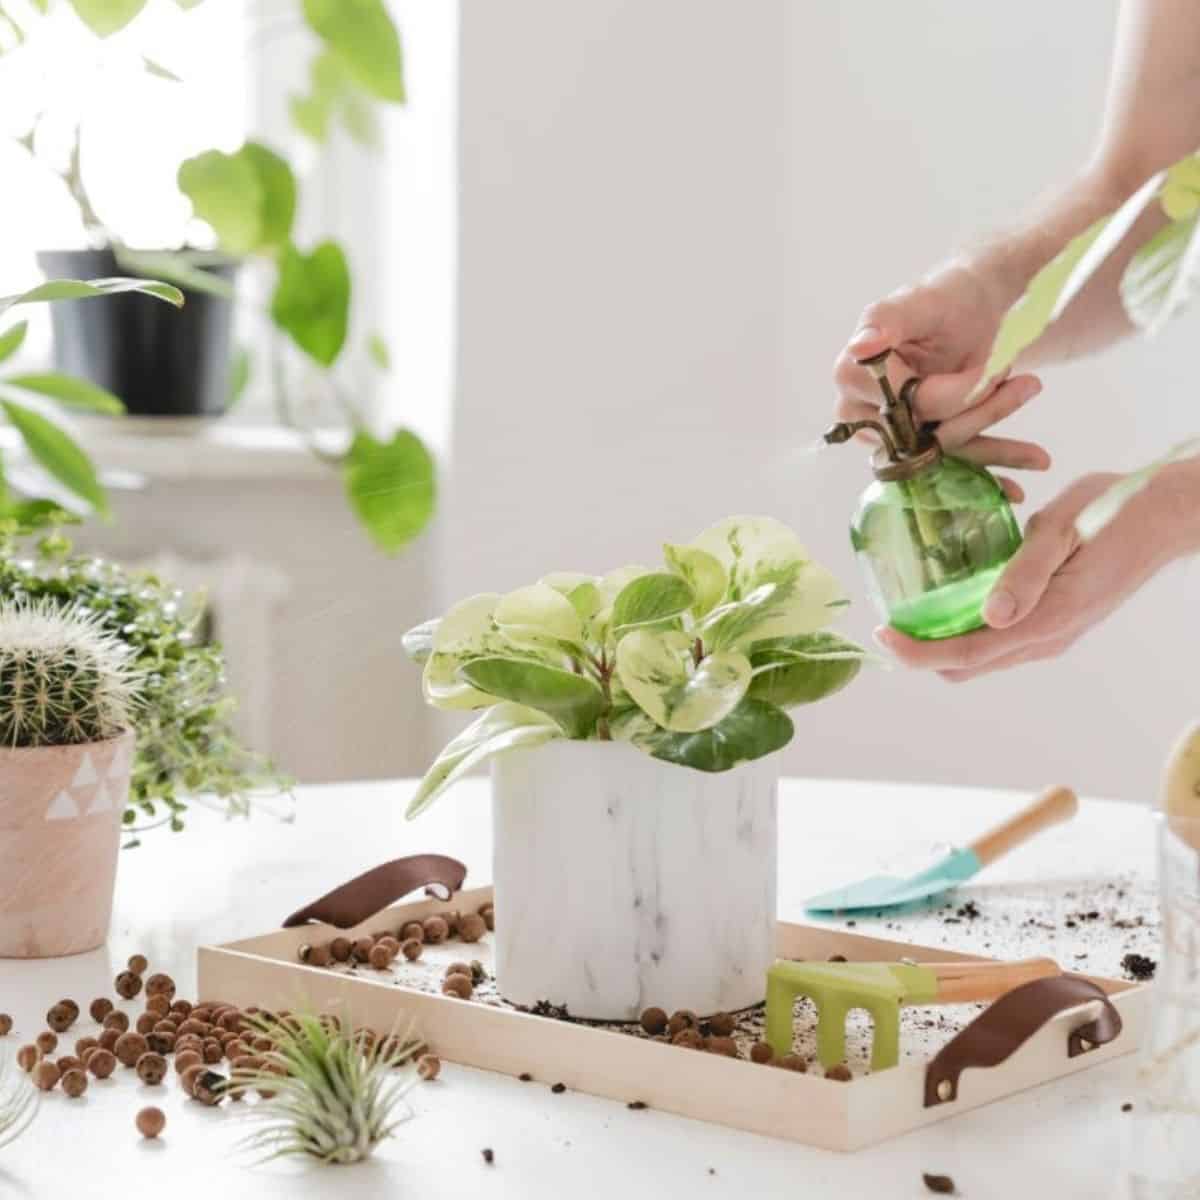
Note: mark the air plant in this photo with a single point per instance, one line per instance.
(327, 1093)
(18, 1100)
(65, 678)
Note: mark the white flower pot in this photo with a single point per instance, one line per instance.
(623, 882)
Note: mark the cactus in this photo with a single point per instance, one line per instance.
(64, 680)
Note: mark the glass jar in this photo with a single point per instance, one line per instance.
(931, 546)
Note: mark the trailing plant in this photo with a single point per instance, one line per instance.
(694, 663)
(186, 745)
(18, 1100)
(328, 1094)
(65, 678)
(250, 197)
(23, 394)
(1160, 280)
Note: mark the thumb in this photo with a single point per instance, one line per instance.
(1048, 544)
(904, 316)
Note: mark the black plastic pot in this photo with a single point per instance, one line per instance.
(160, 360)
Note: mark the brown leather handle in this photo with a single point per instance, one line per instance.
(1005, 1026)
(374, 890)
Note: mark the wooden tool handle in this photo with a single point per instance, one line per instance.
(1053, 806)
(961, 982)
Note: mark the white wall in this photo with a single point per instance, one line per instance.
(671, 212)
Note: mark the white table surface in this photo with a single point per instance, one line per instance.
(219, 881)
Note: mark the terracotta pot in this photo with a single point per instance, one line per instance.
(60, 830)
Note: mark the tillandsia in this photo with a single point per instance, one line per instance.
(1159, 281)
(327, 1093)
(186, 745)
(694, 662)
(18, 1100)
(65, 678)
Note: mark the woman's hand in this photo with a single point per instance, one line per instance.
(1057, 587)
(942, 330)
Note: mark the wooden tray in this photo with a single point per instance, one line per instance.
(801, 1107)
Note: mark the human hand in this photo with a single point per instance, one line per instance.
(942, 330)
(1057, 587)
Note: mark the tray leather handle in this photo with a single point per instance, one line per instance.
(374, 890)
(1002, 1028)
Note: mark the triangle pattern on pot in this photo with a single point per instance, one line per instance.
(87, 773)
(120, 762)
(101, 802)
(62, 808)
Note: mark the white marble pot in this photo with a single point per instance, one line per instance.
(623, 882)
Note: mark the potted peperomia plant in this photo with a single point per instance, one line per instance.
(66, 749)
(632, 721)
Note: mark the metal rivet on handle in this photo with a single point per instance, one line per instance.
(945, 1090)
(1085, 1046)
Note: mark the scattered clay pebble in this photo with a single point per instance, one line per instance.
(151, 1068)
(458, 968)
(837, 958)
(46, 1042)
(60, 1018)
(117, 1020)
(683, 1019)
(1127, 1107)
(67, 1002)
(27, 1057)
(793, 1062)
(209, 1087)
(5, 1024)
(471, 927)
(488, 913)
(145, 1023)
(411, 949)
(340, 948)
(68, 1062)
(457, 985)
(45, 1075)
(158, 1005)
(435, 929)
(452, 919)
(429, 1066)
(161, 1043)
(128, 984)
(74, 1082)
(478, 972)
(137, 964)
(525, 1077)
(942, 1185)
(188, 1058)
(760, 1052)
(722, 1024)
(636, 1105)
(102, 1063)
(1139, 967)
(412, 929)
(362, 948)
(559, 1088)
(83, 1045)
(100, 1008)
(130, 1047)
(321, 955)
(841, 1073)
(690, 1038)
(380, 957)
(150, 1122)
(160, 985)
(108, 1038)
(489, 1155)
(212, 1051)
(722, 1045)
(654, 1021)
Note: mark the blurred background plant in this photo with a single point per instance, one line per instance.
(221, 211)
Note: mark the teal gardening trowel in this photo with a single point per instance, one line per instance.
(1053, 806)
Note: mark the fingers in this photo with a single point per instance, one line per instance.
(1003, 452)
(1049, 542)
(1012, 489)
(906, 315)
(941, 397)
(1036, 652)
(1010, 396)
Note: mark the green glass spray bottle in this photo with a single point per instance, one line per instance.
(932, 532)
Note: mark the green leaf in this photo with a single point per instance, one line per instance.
(104, 17)
(312, 300)
(417, 643)
(503, 727)
(802, 601)
(1106, 506)
(467, 631)
(177, 267)
(755, 728)
(1163, 275)
(704, 574)
(310, 116)
(649, 600)
(391, 486)
(378, 350)
(1060, 281)
(159, 71)
(802, 670)
(249, 197)
(363, 36)
(574, 701)
(333, 91)
(80, 289)
(1181, 192)
(57, 453)
(657, 669)
(538, 614)
(239, 375)
(12, 339)
(67, 389)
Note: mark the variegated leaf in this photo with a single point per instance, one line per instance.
(704, 573)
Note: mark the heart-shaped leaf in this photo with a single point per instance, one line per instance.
(391, 486)
(574, 701)
(362, 35)
(105, 17)
(312, 300)
(751, 730)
